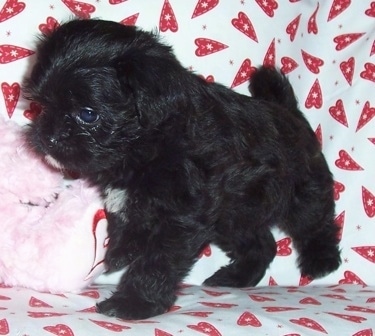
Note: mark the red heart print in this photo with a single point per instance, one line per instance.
(49, 26)
(309, 323)
(4, 298)
(205, 328)
(312, 62)
(260, 298)
(215, 293)
(372, 140)
(319, 135)
(244, 73)
(4, 327)
(34, 302)
(372, 52)
(10, 53)
(346, 162)
(337, 7)
(367, 114)
(371, 11)
(59, 329)
(272, 282)
(130, 20)
(344, 40)
(340, 221)
(351, 318)
(310, 300)
(218, 305)
(312, 26)
(338, 188)
(249, 319)
(268, 7)
(88, 310)
(168, 19)
(92, 294)
(110, 326)
(351, 278)
(204, 6)
(34, 110)
(270, 57)
(314, 97)
(44, 314)
(347, 69)
(116, 2)
(11, 8)
(338, 112)
(288, 65)
(367, 252)
(336, 297)
(304, 281)
(283, 247)
(207, 46)
(159, 332)
(364, 332)
(81, 9)
(370, 300)
(292, 27)
(368, 200)
(369, 72)
(206, 252)
(360, 309)
(279, 309)
(244, 25)
(11, 94)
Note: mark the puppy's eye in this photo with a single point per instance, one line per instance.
(88, 115)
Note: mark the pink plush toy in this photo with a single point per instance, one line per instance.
(52, 232)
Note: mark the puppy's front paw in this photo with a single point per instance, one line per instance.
(129, 308)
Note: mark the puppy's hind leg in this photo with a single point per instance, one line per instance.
(250, 254)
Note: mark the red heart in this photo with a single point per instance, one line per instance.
(351, 318)
(292, 27)
(244, 25)
(207, 46)
(283, 247)
(203, 6)
(49, 26)
(259, 298)
(346, 162)
(116, 2)
(368, 200)
(270, 57)
(338, 112)
(364, 332)
(205, 328)
(214, 293)
(360, 309)
(218, 305)
(339, 221)
(305, 280)
(337, 7)
(248, 319)
(371, 10)
(167, 19)
(244, 73)
(288, 65)
(319, 135)
(312, 62)
(44, 314)
(347, 69)
(315, 96)
(130, 20)
(310, 300)
(312, 26)
(110, 326)
(4, 327)
(198, 314)
(92, 294)
(351, 278)
(81, 9)
(11, 94)
(11, 8)
(338, 188)
(367, 114)
(34, 302)
(34, 110)
(344, 40)
(60, 329)
(279, 309)
(369, 72)
(308, 323)
(10, 53)
(159, 332)
(268, 7)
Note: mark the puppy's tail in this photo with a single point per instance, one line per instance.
(269, 84)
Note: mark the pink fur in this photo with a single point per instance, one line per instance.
(52, 232)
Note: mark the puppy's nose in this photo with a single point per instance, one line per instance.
(51, 141)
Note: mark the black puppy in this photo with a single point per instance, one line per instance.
(180, 162)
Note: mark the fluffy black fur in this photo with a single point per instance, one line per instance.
(180, 162)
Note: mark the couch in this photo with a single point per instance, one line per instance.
(327, 50)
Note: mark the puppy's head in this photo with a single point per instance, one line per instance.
(102, 86)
